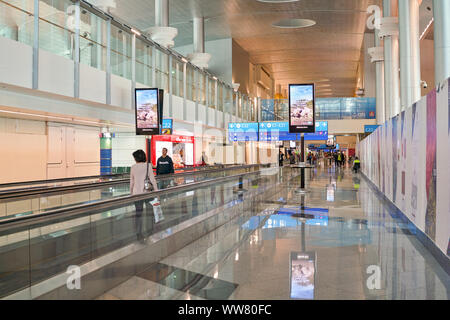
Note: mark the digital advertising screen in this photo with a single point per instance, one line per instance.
(147, 111)
(301, 108)
(302, 271)
(167, 127)
(244, 131)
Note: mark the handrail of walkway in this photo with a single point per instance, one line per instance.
(26, 222)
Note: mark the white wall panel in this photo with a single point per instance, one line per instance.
(16, 63)
(349, 126)
(177, 107)
(201, 114)
(120, 92)
(92, 84)
(56, 74)
(123, 146)
(190, 111)
(219, 119)
(211, 115)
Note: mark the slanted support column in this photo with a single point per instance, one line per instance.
(441, 12)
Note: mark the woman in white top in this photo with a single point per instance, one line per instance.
(137, 181)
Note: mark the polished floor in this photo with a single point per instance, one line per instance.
(343, 243)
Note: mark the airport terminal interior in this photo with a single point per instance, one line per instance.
(224, 150)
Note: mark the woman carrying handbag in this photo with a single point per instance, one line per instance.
(142, 180)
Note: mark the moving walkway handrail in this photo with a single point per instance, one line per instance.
(78, 210)
(21, 193)
(32, 182)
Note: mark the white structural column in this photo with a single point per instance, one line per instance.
(377, 56)
(389, 31)
(441, 12)
(199, 57)
(409, 52)
(161, 33)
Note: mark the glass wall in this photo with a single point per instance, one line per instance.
(143, 63)
(17, 20)
(162, 70)
(175, 82)
(190, 83)
(93, 40)
(57, 32)
(326, 109)
(219, 96)
(202, 89)
(229, 105)
(120, 52)
(57, 27)
(212, 93)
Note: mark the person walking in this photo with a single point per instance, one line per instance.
(140, 173)
(356, 165)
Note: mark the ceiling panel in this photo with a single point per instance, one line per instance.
(329, 50)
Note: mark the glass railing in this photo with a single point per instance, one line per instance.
(57, 34)
(33, 251)
(94, 190)
(326, 109)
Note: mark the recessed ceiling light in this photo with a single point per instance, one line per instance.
(294, 23)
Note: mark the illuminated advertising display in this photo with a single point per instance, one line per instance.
(167, 126)
(302, 275)
(179, 148)
(301, 108)
(276, 131)
(246, 131)
(147, 111)
(321, 132)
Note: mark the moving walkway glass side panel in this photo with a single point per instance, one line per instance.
(66, 182)
(33, 252)
(39, 203)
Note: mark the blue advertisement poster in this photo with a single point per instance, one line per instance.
(247, 131)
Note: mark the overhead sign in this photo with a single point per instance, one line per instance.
(244, 131)
(301, 108)
(276, 131)
(370, 128)
(147, 111)
(321, 132)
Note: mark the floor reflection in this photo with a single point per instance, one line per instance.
(342, 244)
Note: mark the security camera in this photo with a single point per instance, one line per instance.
(424, 84)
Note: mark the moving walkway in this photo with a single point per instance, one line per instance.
(32, 198)
(110, 240)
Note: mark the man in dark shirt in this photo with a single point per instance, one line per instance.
(164, 164)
